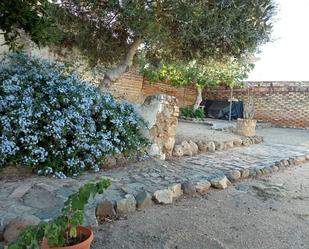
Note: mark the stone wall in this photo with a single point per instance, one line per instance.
(281, 103)
(161, 115)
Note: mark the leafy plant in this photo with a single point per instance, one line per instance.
(29, 16)
(60, 230)
(55, 123)
(189, 112)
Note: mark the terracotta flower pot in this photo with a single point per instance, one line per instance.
(83, 245)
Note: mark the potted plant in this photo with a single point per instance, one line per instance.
(65, 231)
(247, 125)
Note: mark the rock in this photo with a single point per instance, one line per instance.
(120, 159)
(143, 200)
(219, 145)
(291, 162)
(126, 205)
(178, 150)
(188, 188)
(246, 142)
(203, 147)
(104, 210)
(266, 170)
(275, 168)
(245, 173)
(187, 151)
(110, 162)
(202, 186)
(258, 171)
(233, 175)
(252, 172)
(176, 190)
(164, 196)
(16, 225)
(194, 147)
(285, 163)
(237, 142)
(220, 182)
(301, 159)
(211, 147)
(228, 145)
(307, 157)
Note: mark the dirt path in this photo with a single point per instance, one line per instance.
(271, 212)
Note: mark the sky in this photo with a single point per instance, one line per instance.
(286, 58)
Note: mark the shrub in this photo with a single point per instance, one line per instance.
(55, 123)
(188, 112)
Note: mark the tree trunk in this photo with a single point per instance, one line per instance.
(115, 73)
(198, 99)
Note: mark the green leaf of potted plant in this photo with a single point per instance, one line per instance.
(66, 231)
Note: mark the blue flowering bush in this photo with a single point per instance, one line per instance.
(55, 123)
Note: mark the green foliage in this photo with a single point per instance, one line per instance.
(30, 16)
(171, 30)
(60, 230)
(226, 71)
(189, 112)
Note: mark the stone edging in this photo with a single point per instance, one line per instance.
(190, 148)
(107, 210)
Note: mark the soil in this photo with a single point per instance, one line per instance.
(196, 132)
(271, 212)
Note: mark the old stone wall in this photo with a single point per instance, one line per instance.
(161, 115)
(281, 103)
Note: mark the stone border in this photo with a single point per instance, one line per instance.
(107, 210)
(190, 148)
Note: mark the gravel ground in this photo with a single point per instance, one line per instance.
(271, 212)
(285, 136)
(195, 132)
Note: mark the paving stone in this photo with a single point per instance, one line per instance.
(40, 198)
(16, 225)
(220, 182)
(188, 188)
(126, 205)
(143, 200)
(105, 210)
(202, 186)
(164, 196)
(20, 191)
(233, 175)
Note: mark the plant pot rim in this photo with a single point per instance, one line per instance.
(82, 245)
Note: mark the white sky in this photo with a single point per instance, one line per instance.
(287, 57)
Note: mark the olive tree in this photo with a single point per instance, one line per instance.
(112, 31)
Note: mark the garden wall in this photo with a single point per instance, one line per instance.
(281, 103)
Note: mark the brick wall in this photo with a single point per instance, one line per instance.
(134, 88)
(281, 103)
